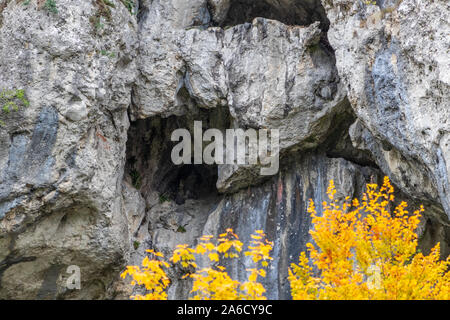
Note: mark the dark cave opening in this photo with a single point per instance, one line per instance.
(289, 12)
(149, 167)
(188, 181)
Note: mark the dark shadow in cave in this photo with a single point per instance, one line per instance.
(149, 167)
(289, 12)
(188, 181)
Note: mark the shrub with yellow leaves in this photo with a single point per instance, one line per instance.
(362, 251)
(210, 283)
(152, 276)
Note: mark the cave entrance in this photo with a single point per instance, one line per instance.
(149, 167)
(289, 12)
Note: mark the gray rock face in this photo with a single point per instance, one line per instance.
(394, 62)
(62, 157)
(86, 177)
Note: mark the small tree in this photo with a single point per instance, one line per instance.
(362, 251)
(209, 283)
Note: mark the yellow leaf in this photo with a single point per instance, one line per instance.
(213, 256)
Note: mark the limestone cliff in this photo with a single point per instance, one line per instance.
(91, 90)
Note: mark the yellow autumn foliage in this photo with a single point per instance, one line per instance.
(361, 250)
(152, 276)
(211, 283)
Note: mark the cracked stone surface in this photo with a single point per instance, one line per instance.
(357, 91)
